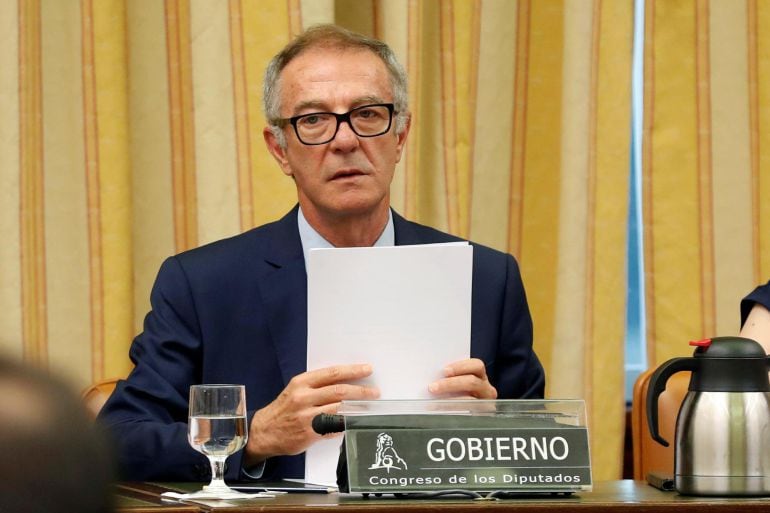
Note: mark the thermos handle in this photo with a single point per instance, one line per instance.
(658, 385)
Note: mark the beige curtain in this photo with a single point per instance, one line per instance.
(706, 167)
(131, 130)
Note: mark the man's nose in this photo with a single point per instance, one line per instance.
(345, 139)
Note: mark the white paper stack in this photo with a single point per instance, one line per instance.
(406, 310)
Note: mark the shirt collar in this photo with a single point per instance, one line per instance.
(312, 239)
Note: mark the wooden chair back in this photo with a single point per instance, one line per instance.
(97, 394)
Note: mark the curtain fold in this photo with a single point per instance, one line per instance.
(706, 177)
(133, 130)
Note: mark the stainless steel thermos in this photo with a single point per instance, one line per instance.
(722, 444)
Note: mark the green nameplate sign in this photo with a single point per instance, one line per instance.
(428, 453)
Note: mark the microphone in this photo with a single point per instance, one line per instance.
(324, 423)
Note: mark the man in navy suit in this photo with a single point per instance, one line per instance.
(235, 311)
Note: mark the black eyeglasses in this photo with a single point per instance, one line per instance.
(321, 127)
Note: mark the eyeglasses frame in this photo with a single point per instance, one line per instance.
(344, 117)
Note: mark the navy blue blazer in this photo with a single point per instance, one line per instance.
(235, 311)
(759, 295)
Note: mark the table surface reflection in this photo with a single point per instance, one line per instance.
(607, 496)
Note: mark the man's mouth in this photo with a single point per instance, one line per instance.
(347, 173)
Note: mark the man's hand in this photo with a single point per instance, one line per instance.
(283, 427)
(465, 378)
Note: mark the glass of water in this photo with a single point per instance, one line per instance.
(217, 428)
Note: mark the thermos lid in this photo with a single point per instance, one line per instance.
(729, 364)
(727, 347)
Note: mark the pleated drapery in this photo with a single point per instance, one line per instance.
(706, 176)
(132, 130)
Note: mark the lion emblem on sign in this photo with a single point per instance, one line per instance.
(386, 456)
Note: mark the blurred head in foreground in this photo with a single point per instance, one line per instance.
(53, 458)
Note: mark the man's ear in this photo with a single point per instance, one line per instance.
(275, 149)
(402, 138)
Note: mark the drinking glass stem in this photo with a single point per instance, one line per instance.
(217, 474)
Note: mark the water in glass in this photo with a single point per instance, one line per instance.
(217, 428)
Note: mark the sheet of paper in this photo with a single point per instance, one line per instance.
(406, 310)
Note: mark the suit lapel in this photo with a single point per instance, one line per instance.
(405, 234)
(284, 292)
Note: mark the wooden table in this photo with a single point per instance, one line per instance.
(606, 497)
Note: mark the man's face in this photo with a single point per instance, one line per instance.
(349, 175)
